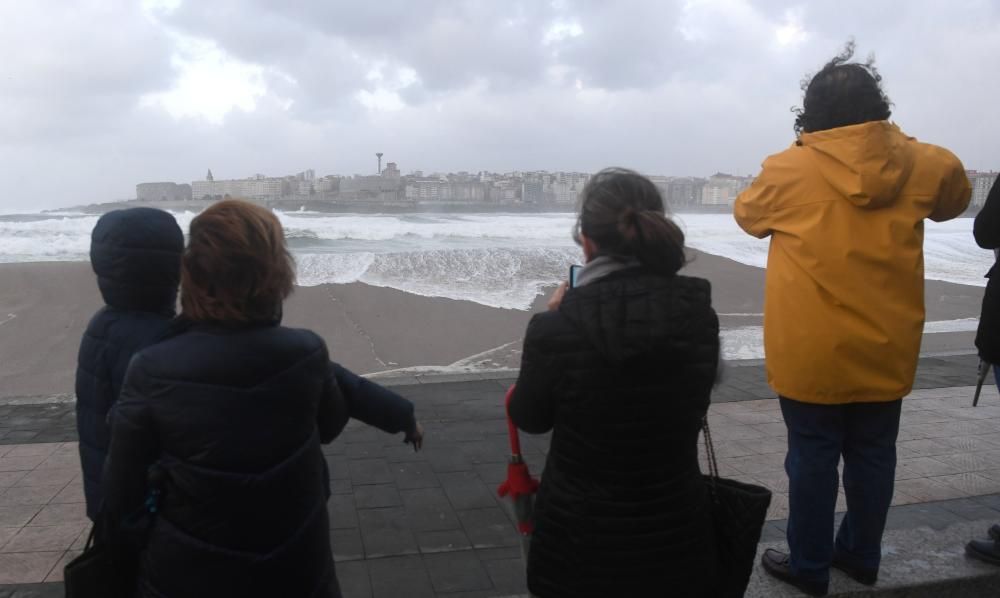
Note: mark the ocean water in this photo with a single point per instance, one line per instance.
(499, 260)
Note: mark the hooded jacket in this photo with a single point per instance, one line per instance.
(844, 296)
(136, 255)
(987, 233)
(622, 375)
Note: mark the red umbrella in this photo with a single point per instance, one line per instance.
(519, 485)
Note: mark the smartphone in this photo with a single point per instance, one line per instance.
(574, 274)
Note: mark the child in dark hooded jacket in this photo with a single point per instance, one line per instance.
(136, 255)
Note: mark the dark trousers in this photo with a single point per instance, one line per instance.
(864, 434)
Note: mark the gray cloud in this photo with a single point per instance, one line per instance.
(71, 69)
(666, 87)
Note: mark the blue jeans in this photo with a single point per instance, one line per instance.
(864, 434)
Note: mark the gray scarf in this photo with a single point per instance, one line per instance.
(603, 265)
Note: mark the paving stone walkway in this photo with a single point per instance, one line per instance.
(429, 524)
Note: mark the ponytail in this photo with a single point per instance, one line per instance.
(623, 213)
(655, 240)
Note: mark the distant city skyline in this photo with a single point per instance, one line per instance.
(530, 187)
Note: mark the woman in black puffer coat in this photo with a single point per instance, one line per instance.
(218, 429)
(620, 369)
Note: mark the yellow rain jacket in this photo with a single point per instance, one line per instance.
(844, 298)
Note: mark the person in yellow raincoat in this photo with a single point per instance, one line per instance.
(844, 208)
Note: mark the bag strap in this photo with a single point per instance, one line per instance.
(713, 464)
(90, 537)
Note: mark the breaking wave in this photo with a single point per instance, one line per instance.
(497, 277)
(500, 260)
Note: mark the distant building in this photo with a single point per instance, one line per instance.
(721, 189)
(504, 191)
(981, 182)
(428, 189)
(327, 184)
(257, 187)
(684, 191)
(376, 184)
(162, 192)
(440, 189)
(391, 171)
(533, 190)
(205, 189)
(564, 188)
(467, 191)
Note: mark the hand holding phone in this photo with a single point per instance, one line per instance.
(557, 296)
(574, 275)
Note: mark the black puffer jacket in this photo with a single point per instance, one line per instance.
(136, 255)
(232, 420)
(987, 232)
(621, 374)
(372, 404)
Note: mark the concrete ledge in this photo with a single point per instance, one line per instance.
(916, 563)
(413, 379)
(39, 400)
(412, 376)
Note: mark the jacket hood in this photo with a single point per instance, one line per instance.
(136, 255)
(634, 313)
(867, 164)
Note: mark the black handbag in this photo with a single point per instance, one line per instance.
(738, 513)
(92, 574)
(107, 569)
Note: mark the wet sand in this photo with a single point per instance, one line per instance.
(44, 308)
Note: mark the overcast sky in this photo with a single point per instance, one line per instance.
(98, 95)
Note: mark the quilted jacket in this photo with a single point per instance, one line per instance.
(621, 374)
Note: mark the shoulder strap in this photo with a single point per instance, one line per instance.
(713, 465)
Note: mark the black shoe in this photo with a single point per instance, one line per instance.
(995, 532)
(775, 562)
(987, 551)
(866, 577)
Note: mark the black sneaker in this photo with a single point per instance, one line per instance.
(775, 562)
(866, 577)
(987, 551)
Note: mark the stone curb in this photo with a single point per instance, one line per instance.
(39, 400)
(417, 379)
(916, 563)
(412, 379)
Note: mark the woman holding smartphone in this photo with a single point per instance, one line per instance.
(620, 369)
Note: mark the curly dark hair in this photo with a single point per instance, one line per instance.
(842, 93)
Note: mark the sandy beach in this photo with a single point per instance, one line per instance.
(44, 308)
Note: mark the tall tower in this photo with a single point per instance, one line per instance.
(379, 156)
(209, 176)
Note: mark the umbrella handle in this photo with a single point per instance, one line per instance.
(515, 438)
